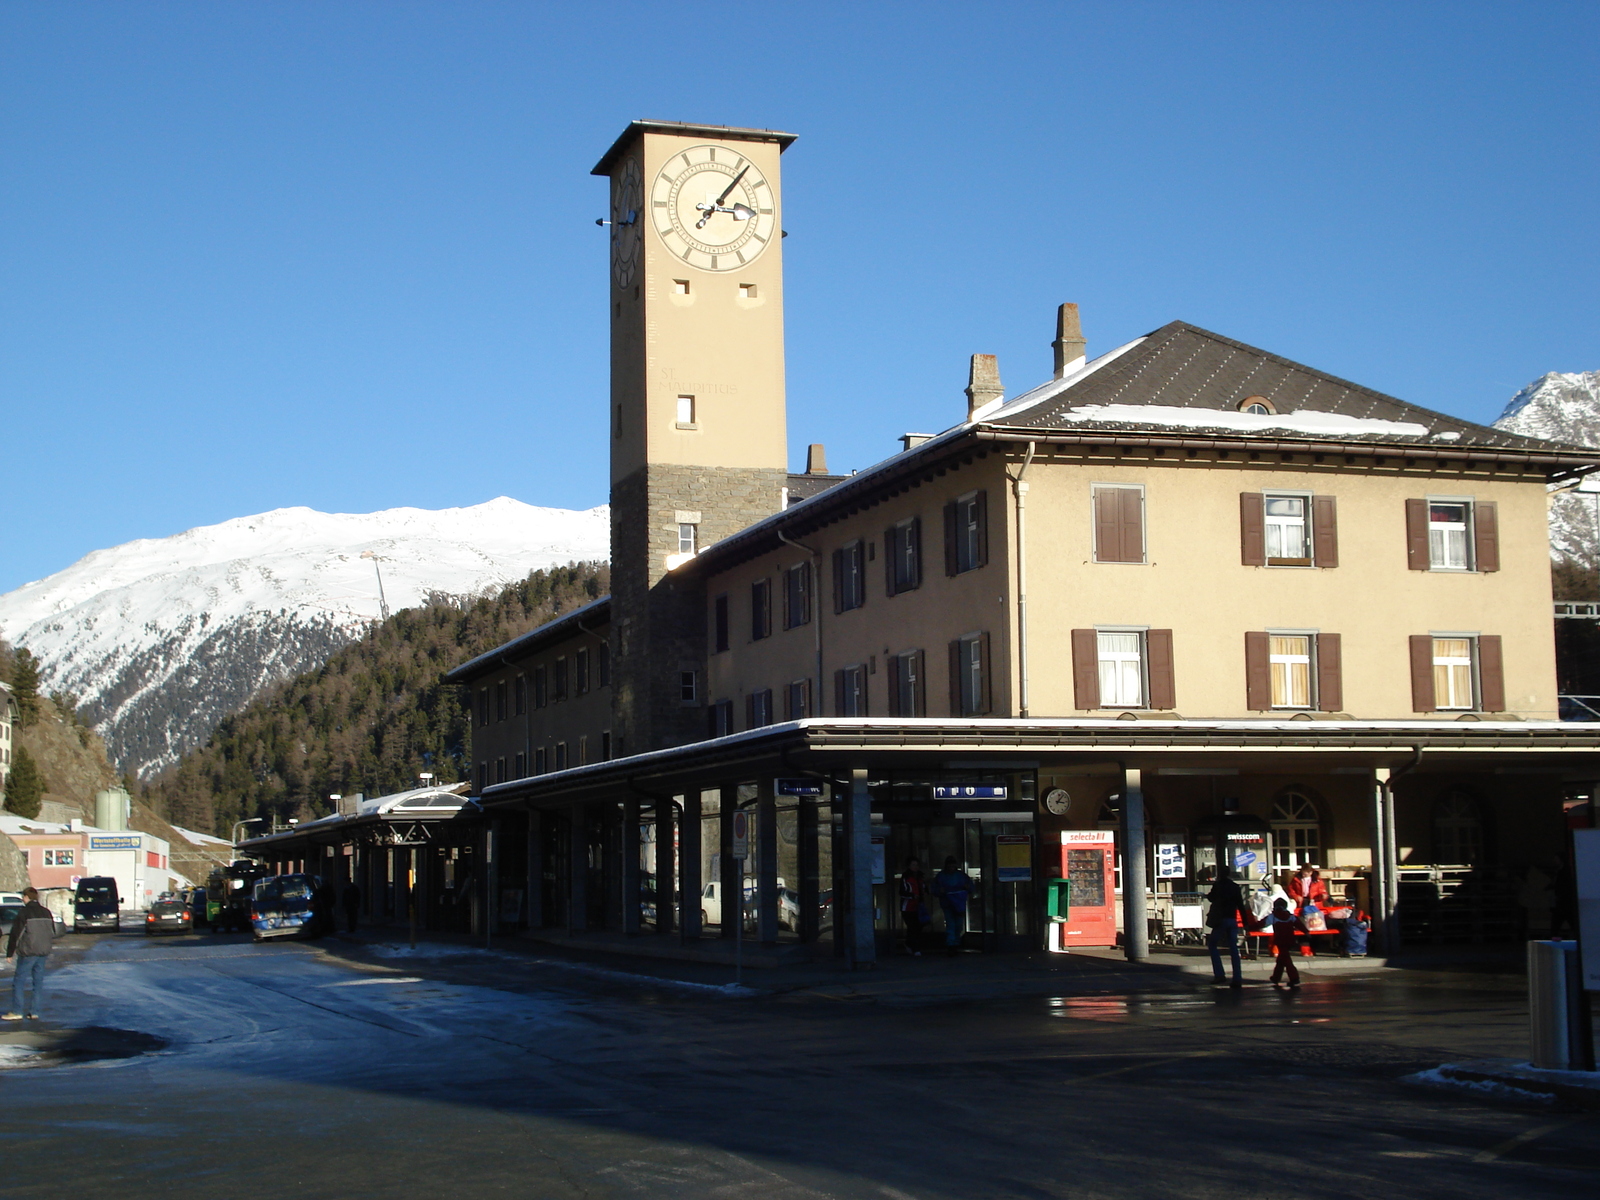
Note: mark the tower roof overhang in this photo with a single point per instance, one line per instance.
(688, 129)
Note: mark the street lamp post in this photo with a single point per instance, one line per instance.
(238, 825)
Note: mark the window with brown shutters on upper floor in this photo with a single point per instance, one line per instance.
(760, 610)
(1118, 523)
(1452, 533)
(849, 577)
(902, 557)
(1292, 669)
(971, 676)
(1123, 668)
(908, 696)
(1461, 672)
(1288, 529)
(966, 533)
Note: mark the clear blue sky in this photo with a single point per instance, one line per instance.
(344, 254)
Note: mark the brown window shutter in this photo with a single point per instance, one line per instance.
(1257, 672)
(894, 687)
(891, 556)
(981, 503)
(1330, 673)
(1417, 557)
(985, 676)
(913, 534)
(750, 711)
(838, 693)
(950, 559)
(1107, 530)
(1491, 673)
(919, 689)
(955, 678)
(1324, 532)
(1158, 656)
(1086, 668)
(1486, 538)
(838, 581)
(1131, 503)
(1421, 666)
(1252, 529)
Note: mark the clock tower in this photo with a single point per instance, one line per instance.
(696, 422)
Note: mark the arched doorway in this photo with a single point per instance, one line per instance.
(1296, 831)
(1457, 830)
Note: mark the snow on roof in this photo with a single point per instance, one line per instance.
(524, 643)
(201, 839)
(1052, 387)
(13, 826)
(1306, 421)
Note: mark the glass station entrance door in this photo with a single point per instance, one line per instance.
(998, 855)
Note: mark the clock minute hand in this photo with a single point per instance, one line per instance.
(729, 189)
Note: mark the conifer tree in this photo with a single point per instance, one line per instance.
(25, 685)
(24, 786)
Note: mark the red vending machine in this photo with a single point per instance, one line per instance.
(1088, 864)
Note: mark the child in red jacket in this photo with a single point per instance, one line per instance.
(1283, 925)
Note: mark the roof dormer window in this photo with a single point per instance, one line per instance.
(1257, 406)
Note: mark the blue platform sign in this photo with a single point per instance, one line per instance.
(943, 792)
(799, 787)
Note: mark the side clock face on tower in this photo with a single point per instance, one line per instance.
(627, 223)
(712, 208)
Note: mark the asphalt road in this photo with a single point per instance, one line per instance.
(290, 1071)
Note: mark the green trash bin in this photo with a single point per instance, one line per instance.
(1058, 900)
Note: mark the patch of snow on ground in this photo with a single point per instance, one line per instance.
(16, 1056)
(1436, 1078)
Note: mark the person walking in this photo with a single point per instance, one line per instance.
(913, 905)
(33, 935)
(1283, 925)
(1227, 907)
(352, 905)
(953, 886)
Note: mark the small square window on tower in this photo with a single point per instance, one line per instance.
(680, 287)
(688, 539)
(747, 291)
(685, 410)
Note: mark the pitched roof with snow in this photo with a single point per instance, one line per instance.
(582, 619)
(1181, 377)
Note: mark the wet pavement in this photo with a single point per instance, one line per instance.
(344, 1069)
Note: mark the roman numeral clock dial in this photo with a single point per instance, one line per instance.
(712, 208)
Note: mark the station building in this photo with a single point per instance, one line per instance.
(1184, 599)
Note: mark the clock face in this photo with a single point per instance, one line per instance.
(713, 208)
(627, 223)
(1057, 801)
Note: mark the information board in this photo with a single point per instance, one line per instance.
(1013, 853)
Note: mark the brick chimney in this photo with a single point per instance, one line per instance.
(1069, 345)
(983, 382)
(816, 459)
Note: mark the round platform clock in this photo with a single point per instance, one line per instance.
(712, 208)
(1057, 801)
(627, 223)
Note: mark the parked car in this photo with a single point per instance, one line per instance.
(8, 917)
(168, 916)
(711, 903)
(197, 906)
(96, 904)
(281, 907)
(11, 898)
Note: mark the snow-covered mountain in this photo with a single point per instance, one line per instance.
(1564, 407)
(162, 638)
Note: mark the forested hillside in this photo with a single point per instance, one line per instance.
(372, 718)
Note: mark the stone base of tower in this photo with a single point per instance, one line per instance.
(659, 625)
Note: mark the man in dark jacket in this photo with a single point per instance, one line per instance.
(33, 934)
(1227, 904)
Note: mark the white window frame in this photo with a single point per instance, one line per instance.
(1101, 659)
(1310, 661)
(1468, 530)
(1289, 561)
(855, 673)
(971, 684)
(969, 532)
(1474, 690)
(688, 538)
